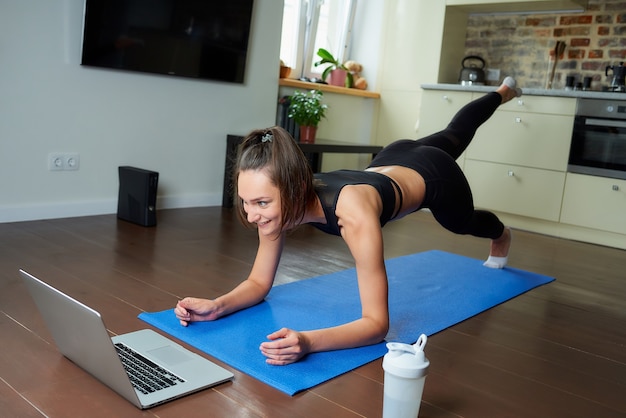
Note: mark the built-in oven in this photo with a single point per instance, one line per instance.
(599, 138)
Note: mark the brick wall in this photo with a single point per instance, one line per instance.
(523, 45)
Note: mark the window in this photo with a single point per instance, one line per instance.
(312, 24)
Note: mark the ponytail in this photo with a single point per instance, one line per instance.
(274, 151)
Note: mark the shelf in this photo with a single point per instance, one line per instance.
(288, 82)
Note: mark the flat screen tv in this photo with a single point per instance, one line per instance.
(206, 39)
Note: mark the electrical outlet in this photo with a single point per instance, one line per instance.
(71, 161)
(493, 74)
(63, 161)
(55, 161)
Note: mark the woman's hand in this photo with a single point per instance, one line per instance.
(195, 309)
(286, 346)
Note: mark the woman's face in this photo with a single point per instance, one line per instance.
(261, 201)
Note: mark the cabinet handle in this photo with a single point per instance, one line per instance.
(511, 173)
(445, 98)
(615, 187)
(520, 102)
(518, 120)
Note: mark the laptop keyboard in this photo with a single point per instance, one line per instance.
(145, 375)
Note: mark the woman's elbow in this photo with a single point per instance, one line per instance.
(380, 332)
(376, 329)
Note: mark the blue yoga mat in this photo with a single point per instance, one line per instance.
(428, 292)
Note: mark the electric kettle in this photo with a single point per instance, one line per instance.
(619, 74)
(471, 74)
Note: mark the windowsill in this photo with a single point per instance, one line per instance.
(288, 82)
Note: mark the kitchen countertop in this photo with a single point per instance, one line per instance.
(590, 94)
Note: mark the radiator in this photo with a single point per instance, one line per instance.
(284, 121)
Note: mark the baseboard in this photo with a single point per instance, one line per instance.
(43, 211)
(564, 231)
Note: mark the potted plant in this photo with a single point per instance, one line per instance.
(307, 109)
(339, 74)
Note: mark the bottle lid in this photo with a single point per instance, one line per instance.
(406, 360)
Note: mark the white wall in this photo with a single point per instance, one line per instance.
(178, 127)
(413, 36)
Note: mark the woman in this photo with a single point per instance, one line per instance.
(277, 191)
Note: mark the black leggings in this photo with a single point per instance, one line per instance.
(463, 126)
(448, 195)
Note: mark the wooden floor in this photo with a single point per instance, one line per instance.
(557, 351)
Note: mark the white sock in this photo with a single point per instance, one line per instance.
(496, 262)
(512, 84)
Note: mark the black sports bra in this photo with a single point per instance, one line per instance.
(329, 185)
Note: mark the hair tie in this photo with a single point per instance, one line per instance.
(267, 137)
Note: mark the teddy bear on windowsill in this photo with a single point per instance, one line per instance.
(355, 68)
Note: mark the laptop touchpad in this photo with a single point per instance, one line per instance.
(169, 355)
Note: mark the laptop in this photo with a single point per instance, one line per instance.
(81, 336)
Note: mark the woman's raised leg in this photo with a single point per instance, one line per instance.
(455, 138)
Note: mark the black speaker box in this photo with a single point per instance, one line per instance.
(136, 202)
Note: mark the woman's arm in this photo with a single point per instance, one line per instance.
(358, 211)
(249, 292)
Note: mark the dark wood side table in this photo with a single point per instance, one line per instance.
(313, 152)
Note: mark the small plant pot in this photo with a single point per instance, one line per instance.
(284, 71)
(307, 134)
(337, 77)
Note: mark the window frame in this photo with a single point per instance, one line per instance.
(307, 31)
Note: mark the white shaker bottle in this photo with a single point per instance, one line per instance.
(405, 372)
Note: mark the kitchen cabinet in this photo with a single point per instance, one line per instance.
(527, 131)
(519, 190)
(438, 108)
(517, 167)
(541, 104)
(517, 160)
(595, 202)
(516, 163)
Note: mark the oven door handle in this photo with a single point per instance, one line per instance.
(605, 122)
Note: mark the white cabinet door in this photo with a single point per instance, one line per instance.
(438, 108)
(542, 104)
(524, 191)
(595, 202)
(526, 139)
